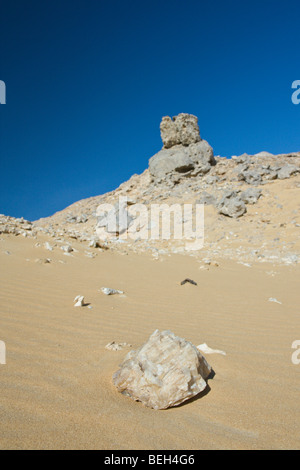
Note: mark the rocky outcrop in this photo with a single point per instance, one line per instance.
(265, 167)
(184, 172)
(15, 226)
(184, 152)
(164, 372)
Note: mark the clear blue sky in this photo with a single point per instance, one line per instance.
(89, 80)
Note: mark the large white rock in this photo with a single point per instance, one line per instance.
(166, 371)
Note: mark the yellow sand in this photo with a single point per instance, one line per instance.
(56, 389)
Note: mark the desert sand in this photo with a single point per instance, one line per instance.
(56, 388)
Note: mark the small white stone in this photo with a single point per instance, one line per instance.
(272, 299)
(109, 291)
(79, 301)
(207, 350)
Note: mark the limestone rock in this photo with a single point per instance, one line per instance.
(243, 159)
(182, 129)
(168, 132)
(251, 177)
(67, 248)
(184, 152)
(204, 348)
(109, 291)
(193, 160)
(286, 171)
(166, 371)
(272, 299)
(79, 301)
(207, 199)
(170, 160)
(251, 195)
(187, 128)
(231, 205)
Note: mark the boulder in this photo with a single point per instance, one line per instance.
(166, 371)
(252, 177)
(243, 159)
(168, 161)
(286, 171)
(251, 195)
(193, 160)
(231, 205)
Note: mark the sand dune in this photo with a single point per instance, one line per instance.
(56, 389)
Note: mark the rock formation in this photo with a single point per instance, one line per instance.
(182, 129)
(184, 152)
(232, 205)
(164, 372)
(251, 205)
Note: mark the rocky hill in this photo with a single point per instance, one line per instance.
(251, 202)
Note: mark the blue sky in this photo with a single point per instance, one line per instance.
(88, 82)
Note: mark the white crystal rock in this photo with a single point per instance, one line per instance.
(207, 350)
(79, 301)
(272, 299)
(109, 291)
(166, 371)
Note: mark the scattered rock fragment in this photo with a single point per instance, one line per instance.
(67, 249)
(109, 291)
(79, 301)
(48, 246)
(188, 280)
(113, 346)
(272, 299)
(207, 350)
(43, 261)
